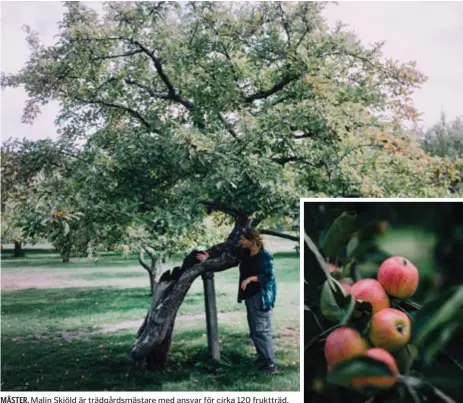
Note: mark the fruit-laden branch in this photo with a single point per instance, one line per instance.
(279, 234)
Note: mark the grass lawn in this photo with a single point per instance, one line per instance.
(71, 327)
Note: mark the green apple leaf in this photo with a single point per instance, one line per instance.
(344, 373)
(336, 237)
(335, 305)
(352, 245)
(318, 272)
(436, 315)
(405, 357)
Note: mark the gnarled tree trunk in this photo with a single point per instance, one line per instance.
(155, 335)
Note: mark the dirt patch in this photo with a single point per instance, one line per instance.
(22, 279)
(290, 332)
(18, 281)
(62, 335)
(109, 328)
(114, 327)
(289, 336)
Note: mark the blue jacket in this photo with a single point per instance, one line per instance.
(267, 283)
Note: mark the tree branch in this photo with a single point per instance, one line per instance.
(279, 234)
(132, 112)
(372, 145)
(149, 250)
(130, 81)
(277, 87)
(219, 206)
(227, 125)
(295, 158)
(285, 23)
(143, 261)
(307, 28)
(174, 95)
(134, 52)
(304, 135)
(258, 219)
(363, 59)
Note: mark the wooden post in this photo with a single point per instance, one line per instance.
(211, 315)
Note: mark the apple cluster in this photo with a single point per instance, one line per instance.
(389, 329)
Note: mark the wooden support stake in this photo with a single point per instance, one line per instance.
(211, 315)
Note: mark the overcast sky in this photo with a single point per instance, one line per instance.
(429, 32)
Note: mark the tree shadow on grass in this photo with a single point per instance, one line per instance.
(66, 302)
(72, 302)
(104, 363)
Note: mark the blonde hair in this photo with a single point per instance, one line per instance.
(253, 235)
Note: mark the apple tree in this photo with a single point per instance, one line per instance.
(237, 107)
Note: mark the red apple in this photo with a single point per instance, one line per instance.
(381, 382)
(399, 277)
(372, 291)
(390, 329)
(347, 287)
(343, 343)
(332, 267)
(335, 271)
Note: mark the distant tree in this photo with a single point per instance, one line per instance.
(21, 163)
(445, 139)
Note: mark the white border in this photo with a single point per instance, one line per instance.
(302, 201)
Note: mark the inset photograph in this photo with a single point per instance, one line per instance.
(383, 294)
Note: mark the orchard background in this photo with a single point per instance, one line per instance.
(358, 237)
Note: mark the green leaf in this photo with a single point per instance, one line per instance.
(436, 315)
(437, 340)
(347, 268)
(336, 237)
(362, 366)
(348, 310)
(352, 246)
(328, 305)
(405, 357)
(321, 261)
(334, 304)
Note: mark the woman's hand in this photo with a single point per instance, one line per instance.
(245, 283)
(202, 256)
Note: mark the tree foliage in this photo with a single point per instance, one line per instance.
(253, 105)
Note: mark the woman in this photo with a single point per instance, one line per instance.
(257, 287)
